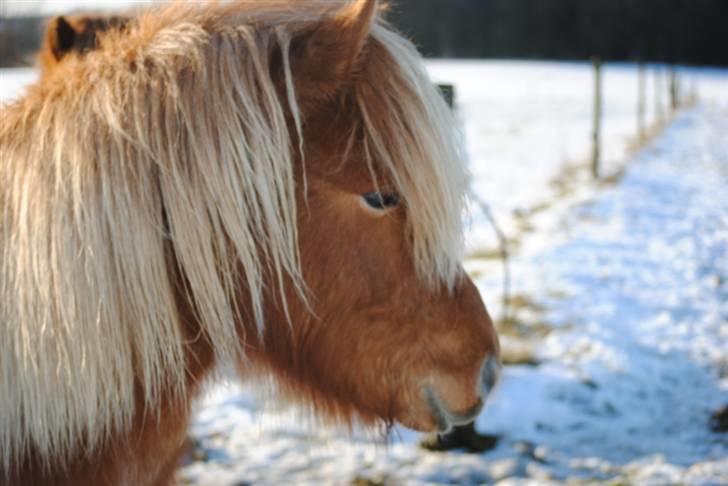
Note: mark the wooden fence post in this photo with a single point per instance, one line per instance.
(641, 95)
(674, 90)
(658, 95)
(596, 133)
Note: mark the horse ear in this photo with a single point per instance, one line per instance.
(60, 37)
(353, 23)
(326, 55)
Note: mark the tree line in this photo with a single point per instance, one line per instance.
(672, 31)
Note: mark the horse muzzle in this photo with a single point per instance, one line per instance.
(446, 418)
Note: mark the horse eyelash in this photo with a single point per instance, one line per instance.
(378, 200)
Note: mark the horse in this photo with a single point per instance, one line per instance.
(270, 185)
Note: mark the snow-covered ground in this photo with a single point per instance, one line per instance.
(529, 123)
(627, 292)
(14, 81)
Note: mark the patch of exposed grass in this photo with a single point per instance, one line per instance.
(361, 481)
(524, 302)
(520, 329)
(518, 356)
(557, 294)
(485, 254)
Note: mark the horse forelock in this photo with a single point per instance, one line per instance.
(410, 131)
(174, 139)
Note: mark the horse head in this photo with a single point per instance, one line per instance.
(393, 328)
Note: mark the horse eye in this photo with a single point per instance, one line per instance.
(378, 200)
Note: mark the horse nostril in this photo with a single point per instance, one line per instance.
(489, 375)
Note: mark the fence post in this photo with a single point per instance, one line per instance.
(641, 95)
(674, 91)
(596, 133)
(658, 95)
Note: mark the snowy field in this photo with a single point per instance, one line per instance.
(528, 125)
(623, 292)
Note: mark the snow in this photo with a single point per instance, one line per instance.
(58, 7)
(629, 279)
(528, 123)
(14, 81)
(644, 268)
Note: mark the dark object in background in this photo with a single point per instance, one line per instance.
(19, 39)
(719, 420)
(448, 92)
(464, 437)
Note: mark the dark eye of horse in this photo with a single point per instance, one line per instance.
(377, 200)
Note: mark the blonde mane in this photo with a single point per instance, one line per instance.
(172, 140)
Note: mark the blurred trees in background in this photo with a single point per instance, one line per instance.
(673, 31)
(19, 38)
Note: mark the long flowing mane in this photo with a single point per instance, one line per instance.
(169, 151)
